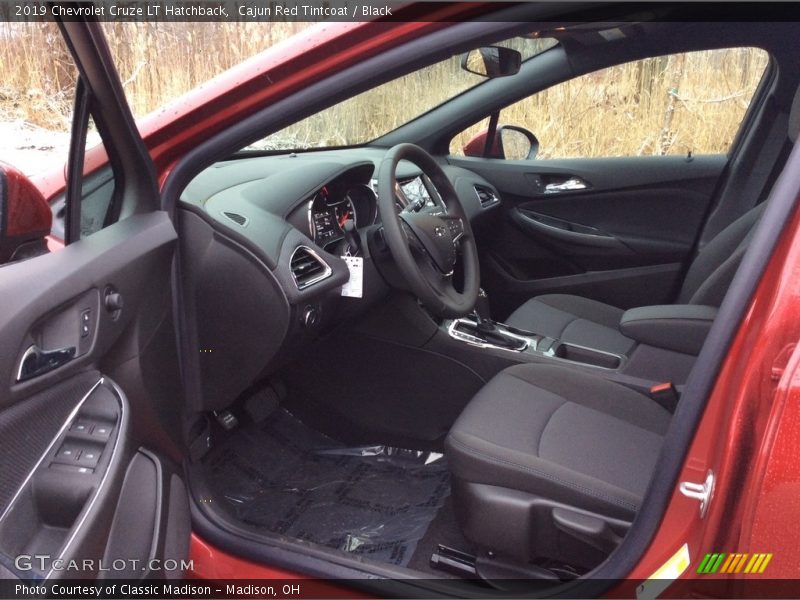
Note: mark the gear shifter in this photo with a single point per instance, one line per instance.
(488, 331)
(485, 326)
(351, 237)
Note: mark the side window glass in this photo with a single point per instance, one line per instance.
(667, 105)
(97, 189)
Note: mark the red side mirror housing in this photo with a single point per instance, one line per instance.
(25, 216)
(512, 134)
(476, 146)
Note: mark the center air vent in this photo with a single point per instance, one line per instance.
(307, 267)
(240, 220)
(486, 196)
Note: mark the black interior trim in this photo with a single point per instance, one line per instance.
(77, 150)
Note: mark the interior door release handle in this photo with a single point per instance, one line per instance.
(36, 361)
(570, 185)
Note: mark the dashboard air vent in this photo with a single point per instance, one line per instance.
(307, 267)
(240, 220)
(486, 196)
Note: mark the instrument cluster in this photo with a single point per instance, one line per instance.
(333, 205)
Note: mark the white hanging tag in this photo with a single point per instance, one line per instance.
(354, 288)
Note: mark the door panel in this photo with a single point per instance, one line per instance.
(618, 230)
(71, 431)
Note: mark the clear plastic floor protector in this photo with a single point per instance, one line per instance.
(373, 501)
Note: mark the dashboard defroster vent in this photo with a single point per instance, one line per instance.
(240, 220)
(308, 267)
(486, 196)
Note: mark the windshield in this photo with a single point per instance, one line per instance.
(384, 108)
(160, 61)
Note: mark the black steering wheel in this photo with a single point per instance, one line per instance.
(425, 242)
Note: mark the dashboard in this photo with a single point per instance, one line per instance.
(262, 243)
(266, 202)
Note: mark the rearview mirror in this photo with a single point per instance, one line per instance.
(492, 61)
(25, 216)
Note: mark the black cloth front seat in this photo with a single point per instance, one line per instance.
(552, 462)
(586, 322)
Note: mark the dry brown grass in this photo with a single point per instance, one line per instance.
(37, 75)
(157, 62)
(667, 105)
(661, 105)
(366, 116)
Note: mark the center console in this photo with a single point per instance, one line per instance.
(483, 333)
(474, 348)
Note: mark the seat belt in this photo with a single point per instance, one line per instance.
(666, 394)
(760, 182)
(749, 186)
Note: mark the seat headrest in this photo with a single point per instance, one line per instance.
(794, 117)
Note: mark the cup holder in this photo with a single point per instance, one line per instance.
(587, 356)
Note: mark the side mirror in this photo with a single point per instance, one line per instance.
(517, 143)
(510, 142)
(25, 216)
(492, 61)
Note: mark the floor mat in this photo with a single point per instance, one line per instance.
(288, 479)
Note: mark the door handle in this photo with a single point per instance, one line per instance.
(569, 185)
(36, 361)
